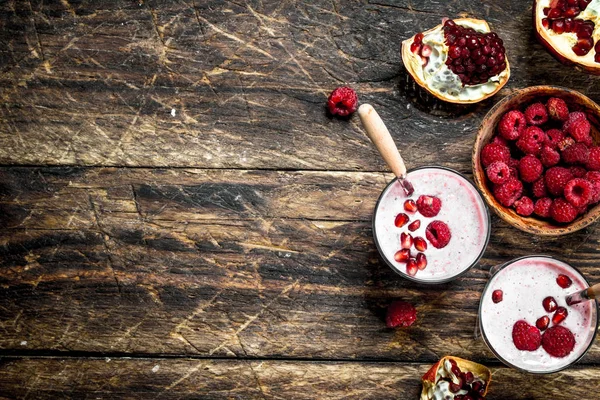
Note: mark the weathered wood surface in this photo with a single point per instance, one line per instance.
(50, 378)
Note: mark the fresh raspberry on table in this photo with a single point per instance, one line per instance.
(438, 234)
(555, 136)
(400, 313)
(549, 157)
(498, 172)
(493, 152)
(558, 341)
(531, 140)
(429, 206)
(557, 109)
(556, 178)
(536, 114)
(580, 130)
(579, 192)
(594, 178)
(538, 188)
(542, 207)
(512, 125)
(593, 163)
(508, 192)
(526, 337)
(524, 206)
(530, 168)
(343, 101)
(577, 171)
(577, 153)
(562, 211)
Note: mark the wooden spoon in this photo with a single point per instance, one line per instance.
(381, 138)
(591, 293)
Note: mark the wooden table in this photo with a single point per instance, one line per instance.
(181, 219)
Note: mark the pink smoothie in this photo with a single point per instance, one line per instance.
(525, 283)
(463, 210)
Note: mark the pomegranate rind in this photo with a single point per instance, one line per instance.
(412, 63)
(480, 371)
(564, 54)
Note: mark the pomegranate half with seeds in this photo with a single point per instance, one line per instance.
(570, 30)
(459, 61)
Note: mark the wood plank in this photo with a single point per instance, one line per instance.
(167, 262)
(49, 378)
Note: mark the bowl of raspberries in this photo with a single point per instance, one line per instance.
(536, 160)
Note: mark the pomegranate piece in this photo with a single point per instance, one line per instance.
(413, 226)
(564, 281)
(400, 313)
(406, 240)
(542, 323)
(402, 255)
(411, 267)
(401, 220)
(410, 206)
(420, 243)
(497, 296)
(549, 304)
(421, 261)
(560, 315)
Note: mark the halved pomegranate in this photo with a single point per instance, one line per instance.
(569, 30)
(459, 61)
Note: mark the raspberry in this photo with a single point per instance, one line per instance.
(580, 130)
(512, 125)
(494, 152)
(577, 153)
(499, 140)
(526, 337)
(594, 178)
(565, 143)
(562, 211)
(539, 188)
(593, 163)
(536, 114)
(549, 157)
(573, 117)
(555, 136)
(498, 172)
(557, 109)
(579, 192)
(530, 168)
(531, 140)
(429, 206)
(438, 234)
(400, 313)
(508, 192)
(524, 206)
(558, 341)
(343, 101)
(542, 207)
(556, 178)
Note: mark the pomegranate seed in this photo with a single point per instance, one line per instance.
(415, 47)
(455, 370)
(418, 37)
(401, 220)
(560, 315)
(402, 255)
(545, 24)
(426, 51)
(568, 24)
(454, 52)
(554, 13)
(583, 4)
(413, 226)
(564, 281)
(571, 12)
(573, 2)
(558, 26)
(452, 362)
(597, 57)
(411, 267)
(406, 240)
(410, 205)
(497, 296)
(469, 378)
(546, 11)
(420, 243)
(542, 322)
(454, 387)
(421, 261)
(549, 304)
(476, 386)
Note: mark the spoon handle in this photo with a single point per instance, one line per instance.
(593, 292)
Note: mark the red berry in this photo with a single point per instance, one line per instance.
(566, 142)
(549, 304)
(343, 101)
(594, 178)
(549, 157)
(530, 168)
(579, 192)
(593, 163)
(438, 234)
(406, 240)
(572, 118)
(538, 188)
(508, 192)
(402, 255)
(526, 337)
(536, 114)
(494, 152)
(498, 172)
(562, 211)
(564, 281)
(429, 206)
(500, 140)
(420, 243)
(558, 341)
(410, 205)
(421, 261)
(556, 178)
(411, 267)
(579, 130)
(400, 313)
(497, 296)
(542, 323)
(560, 315)
(531, 140)
(512, 125)
(577, 153)
(578, 172)
(555, 136)
(413, 226)
(524, 206)
(542, 207)
(401, 220)
(557, 109)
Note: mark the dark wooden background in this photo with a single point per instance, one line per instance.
(179, 218)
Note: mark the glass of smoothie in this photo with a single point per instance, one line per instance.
(438, 232)
(525, 320)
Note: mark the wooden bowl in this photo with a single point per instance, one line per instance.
(519, 99)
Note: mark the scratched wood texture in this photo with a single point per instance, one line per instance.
(170, 185)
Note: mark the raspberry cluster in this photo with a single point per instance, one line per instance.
(543, 161)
